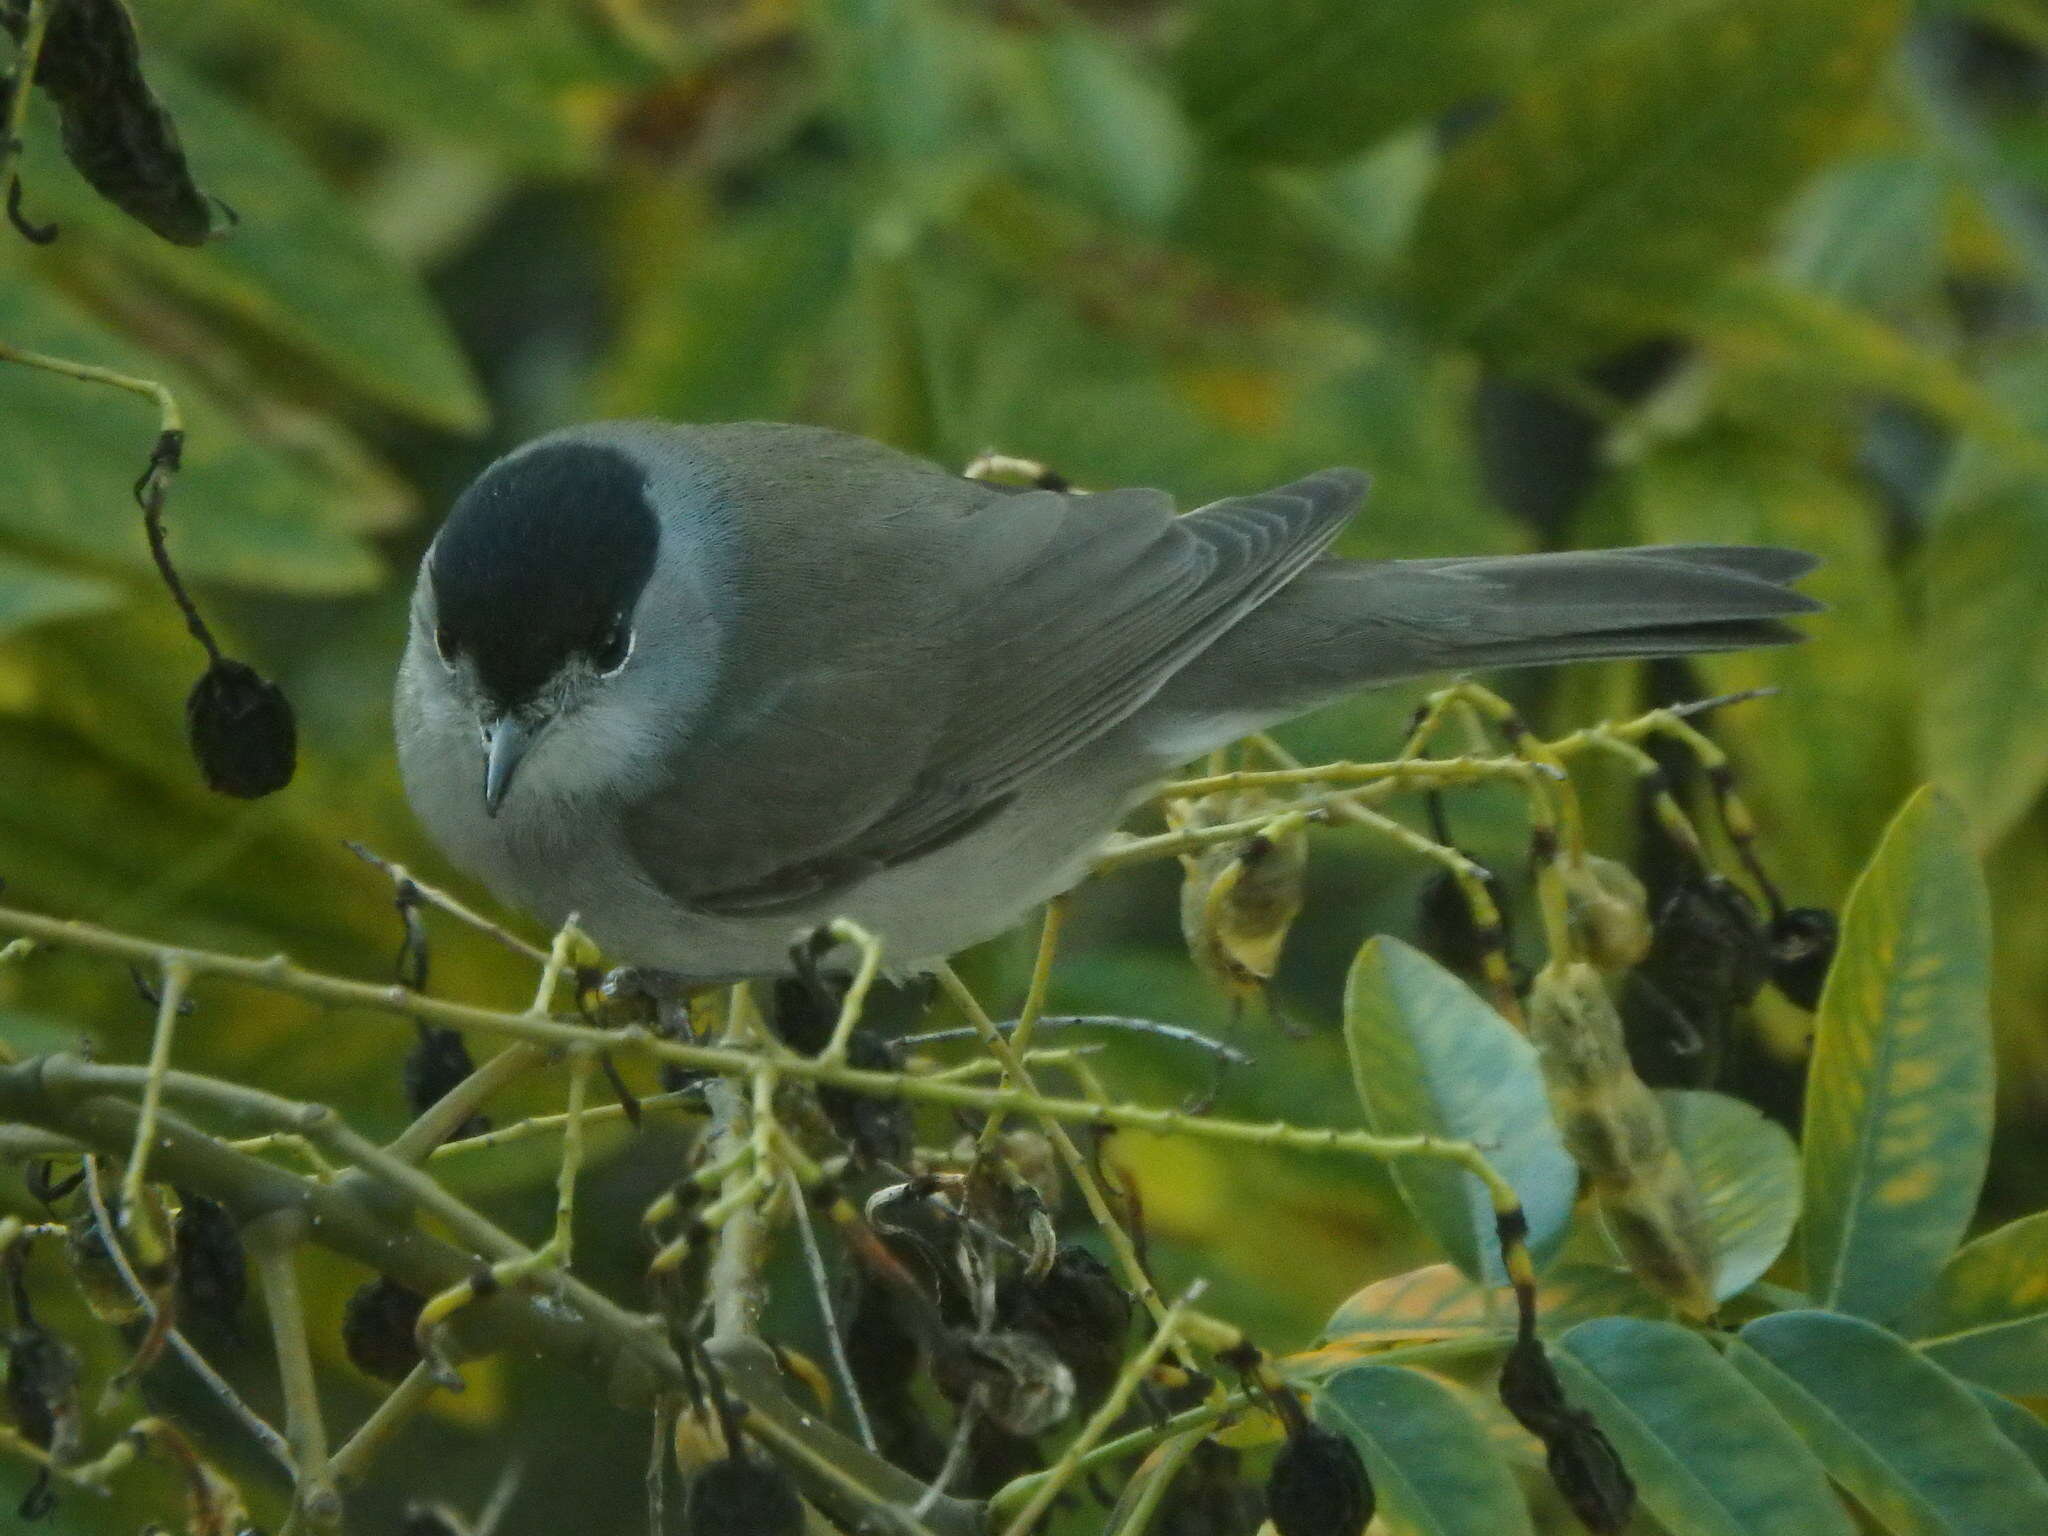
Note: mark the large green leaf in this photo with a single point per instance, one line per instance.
(1430, 1462)
(1746, 1169)
(1429, 1058)
(34, 594)
(1987, 1316)
(1899, 1095)
(70, 453)
(297, 266)
(1618, 183)
(1912, 1443)
(1868, 232)
(1709, 1454)
(1317, 80)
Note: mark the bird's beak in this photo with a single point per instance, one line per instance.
(506, 740)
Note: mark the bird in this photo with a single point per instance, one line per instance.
(709, 688)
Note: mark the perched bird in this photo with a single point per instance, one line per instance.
(711, 686)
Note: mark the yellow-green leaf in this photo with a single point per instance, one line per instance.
(1987, 1316)
(1620, 181)
(1899, 1095)
(1746, 1169)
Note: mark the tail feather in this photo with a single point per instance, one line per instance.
(1343, 625)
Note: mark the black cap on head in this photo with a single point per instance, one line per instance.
(540, 559)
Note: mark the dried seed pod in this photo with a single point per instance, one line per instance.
(377, 1329)
(115, 132)
(1581, 1460)
(42, 1392)
(1608, 910)
(746, 1495)
(1802, 944)
(106, 1290)
(1238, 903)
(1707, 962)
(213, 1274)
(1079, 1309)
(1318, 1485)
(876, 1131)
(1209, 1497)
(241, 730)
(1615, 1130)
(1025, 1388)
(439, 1060)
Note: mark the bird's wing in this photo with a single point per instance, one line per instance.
(1077, 609)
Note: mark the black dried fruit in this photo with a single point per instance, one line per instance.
(1582, 1462)
(115, 132)
(1078, 1308)
(1707, 962)
(213, 1273)
(240, 727)
(438, 1061)
(744, 1496)
(1318, 1486)
(875, 1130)
(377, 1329)
(1802, 943)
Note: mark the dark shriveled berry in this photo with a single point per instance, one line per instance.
(377, 1329)
(1583, 1464)
(213, 1274)
(744, 1496)
(437, 1062)
(241, 730)
(1318, 1486)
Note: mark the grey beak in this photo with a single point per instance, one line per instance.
(506, 740)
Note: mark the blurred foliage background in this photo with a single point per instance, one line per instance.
(1564, 273)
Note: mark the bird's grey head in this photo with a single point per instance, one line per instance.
(531, 623)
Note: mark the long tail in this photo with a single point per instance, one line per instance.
(1343, 625)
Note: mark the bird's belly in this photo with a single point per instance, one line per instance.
(921, 911)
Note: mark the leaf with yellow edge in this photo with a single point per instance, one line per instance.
(1987, 1316)
(1899, 1096)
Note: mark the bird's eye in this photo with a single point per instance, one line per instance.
(444, 644)
(612, 648)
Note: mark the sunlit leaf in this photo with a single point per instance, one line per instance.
(1709, 1454)
(297, 266)
(1986, 1317)
(1430, 1462)
(1898, 1098)
(1429, 1058)
(1624, 178)
(1746, 1169)
(1437, 1302)
(1912, 1443)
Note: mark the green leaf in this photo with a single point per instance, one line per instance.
(2019, 1425)
(1318, 80)
(1709, 1454)
(1899, 1095)
(1432, 1466)
(1429, 1058)
(1119, 139)
(1912, 1443)
(35, 594)
(297, 266)
(1621, 182)
(1984, 658)
(1746, 1168)
(70, 453)
(1987, 1316)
